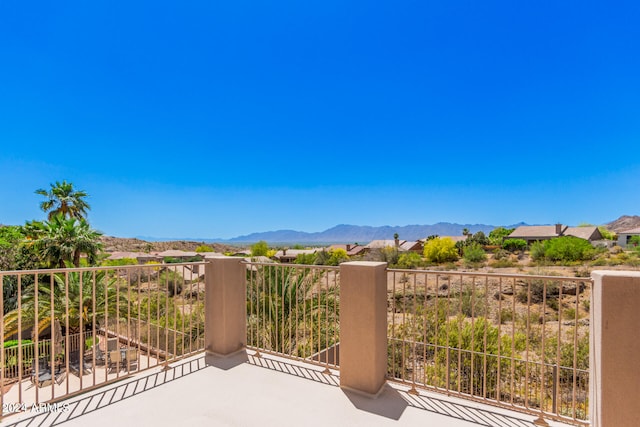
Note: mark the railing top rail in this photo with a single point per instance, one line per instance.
(97, 268)
(499, 275)
(278, 264)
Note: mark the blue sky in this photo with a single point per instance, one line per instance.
(216, 119)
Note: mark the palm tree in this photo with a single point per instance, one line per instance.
(73, 300)
(63, 199)
(289, 312)
(63, 240)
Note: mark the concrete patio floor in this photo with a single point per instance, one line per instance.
(246, 391)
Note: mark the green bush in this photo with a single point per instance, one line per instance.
(568, 248)
(259, 249)
(537, 251)
(474, 253)
(440, 249)
(204, 248)
(512, 245)
(409, 260)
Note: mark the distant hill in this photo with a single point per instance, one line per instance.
(625, 222)
(363, 234)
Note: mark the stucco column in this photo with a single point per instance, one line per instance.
(225, 302)
(363, 326)
(614, 359)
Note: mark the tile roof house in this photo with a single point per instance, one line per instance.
(381, 244)
(533, 233)
(351, 249)
(402, 245)
(290, 255)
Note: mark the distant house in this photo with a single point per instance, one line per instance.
(352, 250)
(412, 246)
(534, 233)
(381, 244)
(289, 255)
(402, 245)
(173, 253)
(141, 257)
(625, 236)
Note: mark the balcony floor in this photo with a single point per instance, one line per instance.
(268, 391)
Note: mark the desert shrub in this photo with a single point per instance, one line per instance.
(204, 248)
(505, 315)
(569, 313)
(499, 254)
(306, 259)
(567, 350)
(119, 262)
(474, 253)
(336, 256)
(512, 245)
(538, 288)
(171, 281)
(389, 255)
(502, 263)
(536, 251)
(440, 250)
(322, 257)
(409, 260)
(568, 248)
(582, 272)
(472, 303)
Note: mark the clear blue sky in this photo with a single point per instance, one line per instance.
(215, 119)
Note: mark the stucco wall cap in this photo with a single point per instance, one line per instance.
(616, 273)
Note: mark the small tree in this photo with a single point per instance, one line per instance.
(497, 235)
(259, 248)
(337, 256)
(479, 238)
(440, 250)
(204, 248)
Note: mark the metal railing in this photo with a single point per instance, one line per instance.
(79, 328)
(514, 340)
(293, 311)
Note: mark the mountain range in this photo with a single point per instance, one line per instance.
(363, 234)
